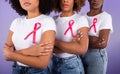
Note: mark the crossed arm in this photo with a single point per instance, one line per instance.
(31, 60)
(94, 42)
(76, 46)
(101, 41)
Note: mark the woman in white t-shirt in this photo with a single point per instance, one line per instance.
(31, 36)
(100, 22)
(65, 58)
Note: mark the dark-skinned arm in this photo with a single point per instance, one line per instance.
(101, 41)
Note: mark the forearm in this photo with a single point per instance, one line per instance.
(72, 47)
(23, 51)
(96, 43)
(101, 41)
(75, 47)
(37, 62)
(37, 50)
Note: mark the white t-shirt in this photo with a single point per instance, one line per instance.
(22, 27)
(99, 22)
(64, 24)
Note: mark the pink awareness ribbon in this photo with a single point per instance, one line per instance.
(36, 27)
(94, 25)
(71, 23)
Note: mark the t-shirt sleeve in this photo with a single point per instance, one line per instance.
(13, 26)
(107, 23)
(49, 24)
(83, 22)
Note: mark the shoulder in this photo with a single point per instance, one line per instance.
(15, 24)
(106, 15)
(18, 20)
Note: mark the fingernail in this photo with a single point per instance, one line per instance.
(81, 36)
(81, 33)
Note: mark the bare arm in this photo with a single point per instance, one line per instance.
(75, 47)
(37, 50)
(8, 45)
(37, 62)
(9, 42)
(101, 41)
(41, 49)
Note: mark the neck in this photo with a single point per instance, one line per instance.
(94, 12)
(33, 14)
(66, 14)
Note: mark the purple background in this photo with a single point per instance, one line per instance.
(113, 48)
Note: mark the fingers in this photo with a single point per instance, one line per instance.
(78, 36)
(46, 47)
(5, 46)
(102, 42)
(43, 51)
(45, 43)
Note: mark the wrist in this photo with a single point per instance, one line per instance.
(11, 55)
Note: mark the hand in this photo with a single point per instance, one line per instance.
(78, 36)
(102, 41)
(7, 52)
(42, 49)
(93, 39)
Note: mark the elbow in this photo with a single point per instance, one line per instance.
(43, 66)
(82, 50)
(102, 46)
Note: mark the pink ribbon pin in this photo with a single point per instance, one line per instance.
(36, 27)
(71, 23)
(94, 25)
